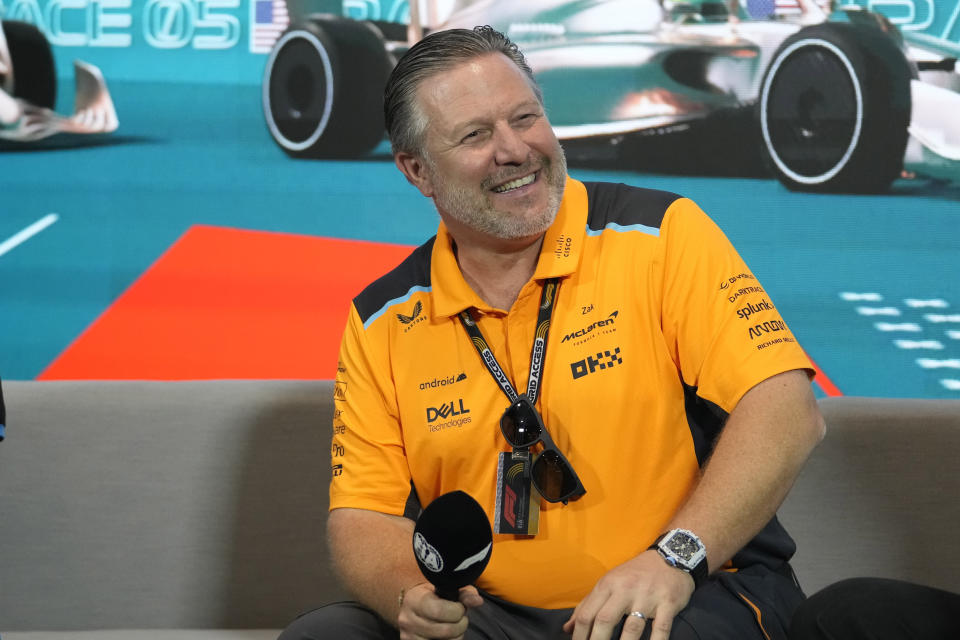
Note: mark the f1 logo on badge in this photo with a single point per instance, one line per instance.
(510, 506)
(605, 360)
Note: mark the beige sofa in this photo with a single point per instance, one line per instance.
(195, 510)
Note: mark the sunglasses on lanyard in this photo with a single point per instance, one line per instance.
(553, 475)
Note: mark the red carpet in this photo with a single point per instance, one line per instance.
(229, 303)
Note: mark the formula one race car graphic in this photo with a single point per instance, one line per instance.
(834, 102)
(28, 90)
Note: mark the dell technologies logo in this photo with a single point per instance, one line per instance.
(452, 413)
(449, 409)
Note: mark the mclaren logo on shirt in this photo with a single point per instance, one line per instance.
(582, 334)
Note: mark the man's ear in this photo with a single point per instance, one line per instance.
(414, 168)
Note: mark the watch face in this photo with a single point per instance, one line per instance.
(683, 548)
(683, 545)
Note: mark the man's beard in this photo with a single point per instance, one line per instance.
(472, 206)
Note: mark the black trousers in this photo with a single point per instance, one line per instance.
(878, 609)
(752, 604)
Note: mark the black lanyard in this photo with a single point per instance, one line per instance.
(537, 353)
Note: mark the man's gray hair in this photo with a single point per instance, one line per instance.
(437, 52)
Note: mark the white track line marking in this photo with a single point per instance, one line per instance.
(921, 304)
(949, 383)
(953, 335)
(878, 311)
(918, 344)
(939, 317)
(22, 236)
(898, 326)
(851, 296)
(929, 363)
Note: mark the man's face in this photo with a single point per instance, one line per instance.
(490, 159)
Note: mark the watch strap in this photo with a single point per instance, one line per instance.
(699, 574)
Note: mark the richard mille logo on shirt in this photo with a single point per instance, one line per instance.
(413, 319)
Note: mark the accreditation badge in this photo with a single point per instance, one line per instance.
(517, 508)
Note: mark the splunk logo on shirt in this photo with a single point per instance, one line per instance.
(750, 309)
(454, 410)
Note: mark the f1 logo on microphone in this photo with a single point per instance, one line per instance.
(427, 554)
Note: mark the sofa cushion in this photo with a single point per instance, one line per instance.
(163, 504)
(880, 496)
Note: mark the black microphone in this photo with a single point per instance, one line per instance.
(452, 542)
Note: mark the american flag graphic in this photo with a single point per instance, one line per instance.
(763, 8)
(268, 19)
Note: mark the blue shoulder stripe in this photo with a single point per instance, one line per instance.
(613, 226)
(389, 303)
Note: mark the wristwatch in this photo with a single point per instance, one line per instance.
(682, 549)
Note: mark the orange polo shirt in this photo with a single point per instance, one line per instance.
(659, 328)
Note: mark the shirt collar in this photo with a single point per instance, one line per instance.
(559, 255)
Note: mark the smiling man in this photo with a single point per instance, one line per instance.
(578, 358)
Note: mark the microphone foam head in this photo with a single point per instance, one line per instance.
(452, 542)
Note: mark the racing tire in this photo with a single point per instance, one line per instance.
(834, 107)
(323, 88)
(34, 71)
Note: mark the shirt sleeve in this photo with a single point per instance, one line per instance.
(720, 323)
(368, 461)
